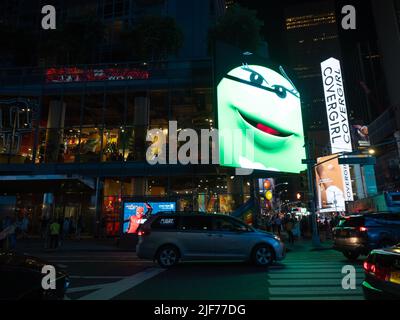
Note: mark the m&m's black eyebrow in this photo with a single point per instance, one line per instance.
(274, 89)
(247, 68)
(250, 83)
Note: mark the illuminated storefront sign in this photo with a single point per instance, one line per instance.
(67, 75)
(330, 187)
(259, 120)
(338, 120)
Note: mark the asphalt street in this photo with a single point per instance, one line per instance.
(303, 275)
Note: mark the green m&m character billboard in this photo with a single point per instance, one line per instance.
(259, 118)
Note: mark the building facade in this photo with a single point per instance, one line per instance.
(384, 130)
(74, 139)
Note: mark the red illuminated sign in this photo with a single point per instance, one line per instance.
(67, 75)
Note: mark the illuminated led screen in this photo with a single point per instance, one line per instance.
(260, 120)
(136, 213)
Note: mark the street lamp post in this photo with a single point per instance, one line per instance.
(280, 200)
(277, 186)
(315, 234)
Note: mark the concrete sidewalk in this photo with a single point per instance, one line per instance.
(35, 245)
(304, 245)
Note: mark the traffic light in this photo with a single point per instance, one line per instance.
(303, 182)
(298, 196)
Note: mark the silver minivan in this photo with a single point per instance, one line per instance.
(173, 237)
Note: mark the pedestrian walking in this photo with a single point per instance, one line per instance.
(44, 226)
(273, 224)
(66, 227)
(289, 230)
(25, 226)
(103, 227)
(278, 224)
(64, 231)
(8, 234)
(79, 227)
(54, 234)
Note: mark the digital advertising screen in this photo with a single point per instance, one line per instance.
(330, 185)
(137, 213)
(259, 113)
(360, 136)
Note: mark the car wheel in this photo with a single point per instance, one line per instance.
(351, 255)
(168, 256)
(263, 256)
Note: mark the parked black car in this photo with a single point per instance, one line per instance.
(382, 269)
(359, 234)
(21, 279)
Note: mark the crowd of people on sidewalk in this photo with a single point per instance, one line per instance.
(54, 232)
(12, 229)
(298, 227)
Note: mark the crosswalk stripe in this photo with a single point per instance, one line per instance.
(308, 282)
(319, 298)
(283, 276)
(319, 263)
(310, 267)
(315, 291)
(311, 271)
(110, 291)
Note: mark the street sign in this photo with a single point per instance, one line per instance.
(366, 161)
(309, 161)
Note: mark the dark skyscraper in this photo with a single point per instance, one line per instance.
(384, 130)
(312, 36)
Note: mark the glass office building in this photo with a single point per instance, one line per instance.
(73, 139)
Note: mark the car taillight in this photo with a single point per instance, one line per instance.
(369, 267)
(380, 273)
(363, 229)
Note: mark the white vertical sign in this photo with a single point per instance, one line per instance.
(338, 119)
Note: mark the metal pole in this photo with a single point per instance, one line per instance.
(315, 234)
(98, 208)
(255, 193)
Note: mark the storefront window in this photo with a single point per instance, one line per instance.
(115, 109)
(93, 110)
(16, 129)
(113, 145)
(91, 143)
(71, 145)
(73, 104)
(157, 187)
(112, 205)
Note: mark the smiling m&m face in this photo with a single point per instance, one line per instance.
(261, 103)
